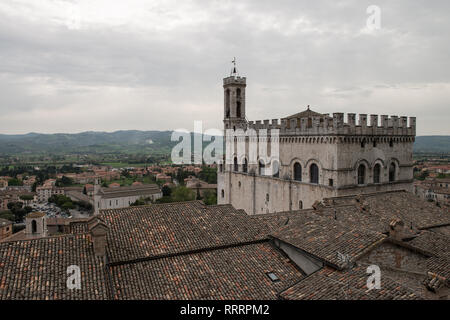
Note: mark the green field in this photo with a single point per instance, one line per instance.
(119, 165)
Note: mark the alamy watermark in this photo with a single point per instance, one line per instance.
(242, 146)
(373, 22)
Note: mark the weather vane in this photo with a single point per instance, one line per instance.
(234, 70)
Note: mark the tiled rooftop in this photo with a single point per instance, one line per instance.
(161, 229)
(331, 284)
(37, 269)
(324, 238)
(233, 273)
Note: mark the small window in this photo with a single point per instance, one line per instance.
(374, 143)
(272, 276)
(363, 143)
(314, 173)
(239, 184)
(267, 197)
(392, 172)
(361, 174)
(330, 182)
(297, 172)
(245, 165)
(223, 193)
(376, 173)
(300, 204)
(235, 165)
(391, 143)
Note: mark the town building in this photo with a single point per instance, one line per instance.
(199, 186)
(6, 228)
(319, 156)
(122, 197)
(46, 191)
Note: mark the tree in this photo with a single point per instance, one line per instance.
(138, 202)
(210, 197)
(26, 197)
(182, 193)
(8, 215)
(166, 191)
(17, 210)
(64, 182)
(15, 182)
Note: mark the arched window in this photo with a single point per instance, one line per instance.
(361, 174)
(238, 109)
(275, 169)
(314, 173)
(376, 173)
(223, 193)
(262, 167)
(392, 172)
(297, 172)
(33, 226)
(227, 103)
(220, 167)
(245, 166)
(235, 165)
(300, 204)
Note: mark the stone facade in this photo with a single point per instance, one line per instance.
(319, 156)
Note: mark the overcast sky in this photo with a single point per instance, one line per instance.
(73, 66)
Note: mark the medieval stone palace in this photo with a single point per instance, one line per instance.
(320, 156)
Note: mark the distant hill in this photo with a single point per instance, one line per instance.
(438, 144)
(133, 141)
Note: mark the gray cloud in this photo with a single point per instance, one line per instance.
(159, 64)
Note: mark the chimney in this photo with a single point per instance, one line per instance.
(396, 229)
(98, 231)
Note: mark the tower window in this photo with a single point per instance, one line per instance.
(267, 197)
(297, 172)
(238, 109)
(376, 173)
(392, 172)
(330, 182)
(227, 103)
(235, 165)
(222, 193)
(391, 143)
(314, 173)
(245, 166)
(361, 173)
(300, 204)
(33, 226)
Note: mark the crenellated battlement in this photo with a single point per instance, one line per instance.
(234, 80)
(335, 125)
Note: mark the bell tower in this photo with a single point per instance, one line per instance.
(234, 100)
